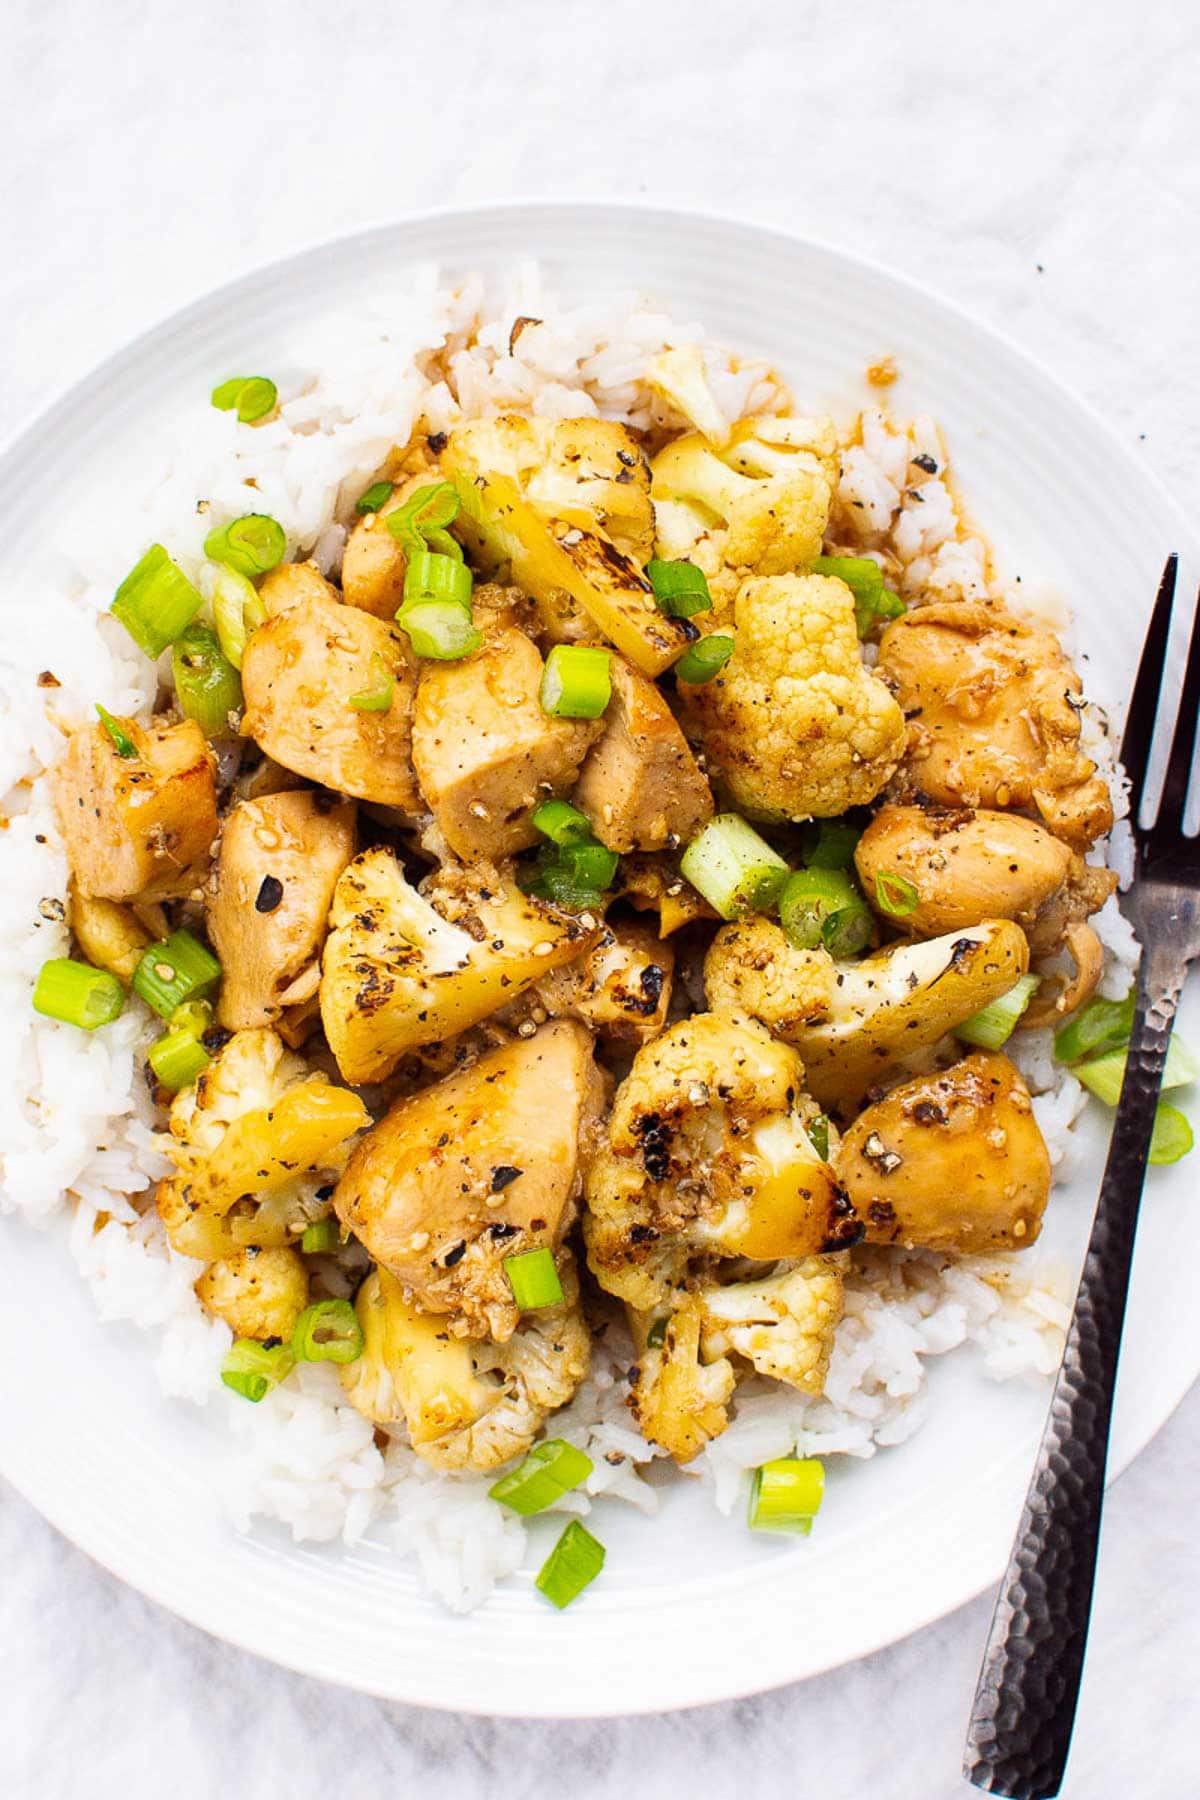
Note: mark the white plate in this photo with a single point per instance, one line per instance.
(691, 1607)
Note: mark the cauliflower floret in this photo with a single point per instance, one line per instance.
(678, 1398)
(467, 1405)
(783, 1323)
(708, 1155)
(751, 967)
(794, 725)
(258, 1293)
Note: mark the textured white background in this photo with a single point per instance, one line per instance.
(1039, 163)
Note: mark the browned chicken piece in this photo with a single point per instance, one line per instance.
(993, 707)
(479, 1167)
(278, 865)
(953, 1161)
(374, 563)
(300, 672)
(137, 827)
(641, 787)
(621, 987)
(484, 751)
(652, 884)
(290, 583)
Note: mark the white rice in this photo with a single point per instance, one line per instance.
(76, 1124)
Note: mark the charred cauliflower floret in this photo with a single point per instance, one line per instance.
(751, 967)
(794, 725)
(782, 1323)
(679, 1399)
(260, 1293)
(708, 1155)
(249, 1129)
(466, 1405)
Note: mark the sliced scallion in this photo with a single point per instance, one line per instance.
(420, 524)
(155, 601)
(377, 495)
(1101, 1025)
(253, 544)
(576, 681)
(562, 823)
(873, 600)
(736, 870)
(786, 1494)
(1103, 1075)
(207, 685)
(320, 1237)
(252, 1370)
(548, 879)
(177, 1058)
(680, 588)
(252, 397)
(122, 743)
(993, 1025)
(376, 697)
(173, 972)
(533, 1278)
(818, 1136)
(572, 1565)
(895, 894)
(328, 1331)
(590, 865)
(833, 845)
(432, 576)
(548, 1472)
(237, 612)
(705, 658)
(1173, 1136)
(439, 629)
(825, 907)
(76, 994)
(195, 1016)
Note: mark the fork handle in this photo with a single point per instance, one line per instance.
(1024, 1708)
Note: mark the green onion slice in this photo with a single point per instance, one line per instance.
(328, 1331)
(572, 1565)
(77, 994)
(194, 1016)
(786, 1494)
(252, 397)
(590, 865)
(736, 871)
(252, 545)
(377, 495)
(432, 576)
(895, 895)
(1103, 1075)
(208, 686)
(549, 1471)
(563, 823)
(175, 971)
(439, 629)
(320, 1237)
(551, 881)
(252, 1370)
(533, 1278)
(833, 845)
(377, 697)
(680, 588)
(818, 1136)
(1173, 1136)
(155, 601)
(656, 1337)
(702, 660)
(993, 1025)
(825, 907)
(872, 599)
(122, 743)
(576, 681)
(420, 524)
(177, 1058)
(1102, 1025)
(237, 612)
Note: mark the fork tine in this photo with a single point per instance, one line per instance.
(1143, 704)
(1183, 744)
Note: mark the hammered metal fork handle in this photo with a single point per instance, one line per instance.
(1025, 1703)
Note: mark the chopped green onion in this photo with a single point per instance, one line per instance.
(1103, 1075)
(572, 1565)
(818, 1136)
(680, 588)
(833, 845)
(533, 1278)
(328, 1331)
(549, 1471)
(846, 933)
(77, 994)
(1173, 1136)
(177, 1058)
(563, 823)
(993, 1025)
(208, 686)
(864, 578)
(377, 495)
(252, 396)
(252, 544)
(377, 697)
(657, 1335)
(252, 1370)
(439, 629)
(155, 601)
(237, 612)
(1102, 1025)
(736, 871)
(702, 660)
(320, 1237)
(576, 682)
(177, 970)
(895, 895)
(122, 743)
(194, 1016)
(549, 880)
(824, 906)
(432, 576)
(786, 1494)
(420, 524)
(590, 865)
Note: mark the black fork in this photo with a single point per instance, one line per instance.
(1024, 1709)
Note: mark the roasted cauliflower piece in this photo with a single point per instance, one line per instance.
(250, 1128)
(708, 1155)
(568, 514)
(138, 827)
(398, 974)
(752, 968)
(679, 1399)
(953, 1161)
(620, 988)
(783, 1323)
(466, 1405)
(278, 865)
(641, 787)
(477, 1167)
(260, 1293)
(794, 726)
(995, 708)
(300, 672)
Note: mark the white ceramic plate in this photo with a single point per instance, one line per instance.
(691, 1607)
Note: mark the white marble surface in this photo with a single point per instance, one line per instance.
(1038, 163)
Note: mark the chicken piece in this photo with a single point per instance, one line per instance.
(300, 672)
(952, 1161)
(290, 584)
(278, 865)
(466, 1405)
(653, 884)
(679, 1400)
(641, 786)
(137, 827)
(751, 967)
(620, 988)
(111, 937)
(965, 866)
(374, 563)
(258, 1293)
(707, 1155)
(478, 1167)
(252, 1125)
(995, 706)
(398, 974)
(782, 1323)
(794, 725)
(484, 751)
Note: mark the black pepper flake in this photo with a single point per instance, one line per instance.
(270, 893)
(501, 1231)
(437, 441)
(923, 460)
(503, 1175)
(325, 1193)
(454, 1255)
